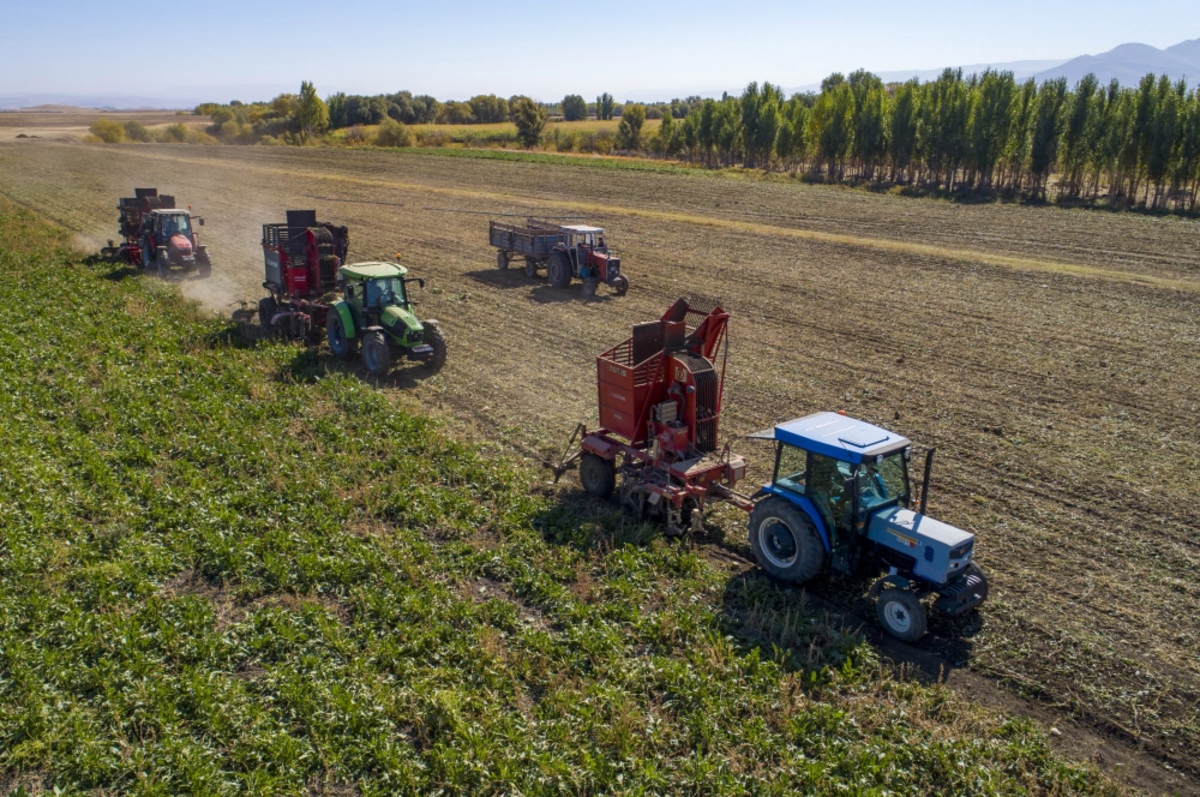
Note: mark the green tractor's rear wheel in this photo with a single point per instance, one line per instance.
(376, 354)
(558, 270)
(785, 541)
(339, 342)
(437, 339)
(530, 267)
(598, 476)
(901, 614)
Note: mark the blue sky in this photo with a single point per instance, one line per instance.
(223, 50)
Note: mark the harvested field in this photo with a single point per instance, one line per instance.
(75, 123)
(1052, 356)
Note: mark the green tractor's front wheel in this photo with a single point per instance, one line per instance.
(376, 354)
(341, 344)
(436, 338)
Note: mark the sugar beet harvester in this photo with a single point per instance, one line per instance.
(839, 497)
(157, 235)
(660, 410)
(301, 260)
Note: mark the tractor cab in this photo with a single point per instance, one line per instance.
(840, 500)
(590, 255)
(169, 239)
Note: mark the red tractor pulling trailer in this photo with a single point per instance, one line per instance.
(301, 258)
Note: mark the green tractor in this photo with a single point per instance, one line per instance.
(375, 311)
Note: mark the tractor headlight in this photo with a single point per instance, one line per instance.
(962, 550)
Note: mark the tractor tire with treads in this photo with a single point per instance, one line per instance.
(558, 270)
(597, 475)
(531, 267)
(901, 614)
(340, 343)
(267, 308)
(621, 284)
(376, 354)
(163, 261)
(437, 339)
(590, 285)
(785, 541)
(204, 265)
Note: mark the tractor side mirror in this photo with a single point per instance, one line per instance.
(201, 221)
(421, 283)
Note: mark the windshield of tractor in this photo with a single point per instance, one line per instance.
(382, 292)
(176, 224)
(883, 482)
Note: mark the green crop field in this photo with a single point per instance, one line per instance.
(239, 568)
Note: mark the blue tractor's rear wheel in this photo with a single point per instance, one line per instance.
(785, 541)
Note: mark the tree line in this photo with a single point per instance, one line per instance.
(979, 133)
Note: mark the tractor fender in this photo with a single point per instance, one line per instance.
(805, 504)
(597, 445)
(431, 322)
(891, 578)
(343, 310)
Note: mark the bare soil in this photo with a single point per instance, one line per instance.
(1052, 356)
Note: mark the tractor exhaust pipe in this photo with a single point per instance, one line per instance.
(925, 483)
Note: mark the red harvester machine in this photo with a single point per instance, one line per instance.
(302, 258)
(660, 409)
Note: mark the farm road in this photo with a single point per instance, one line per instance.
(1053, 357)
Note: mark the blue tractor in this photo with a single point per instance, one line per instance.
(840, 502)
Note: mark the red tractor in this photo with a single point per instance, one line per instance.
(302, 258)
(158, 235)
(660, 407)
(565, 251)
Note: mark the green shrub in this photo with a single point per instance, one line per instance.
(433, 138)
(393, 134)
(108, 131)
(136, 131)
(177, 132)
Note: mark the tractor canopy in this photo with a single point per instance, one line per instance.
(375, 270)
(837, 436)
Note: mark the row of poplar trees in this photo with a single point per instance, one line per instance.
(979, 133)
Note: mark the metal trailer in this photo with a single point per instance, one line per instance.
(660, 407)
(301, 259)
(566, 252)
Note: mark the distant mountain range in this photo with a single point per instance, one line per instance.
(1128, 63)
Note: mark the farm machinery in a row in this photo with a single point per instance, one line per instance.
(157, 235)
(566, 252)
(840, 497)
(363, 305)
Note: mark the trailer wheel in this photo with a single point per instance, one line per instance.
(558, 270)
(901, 614)
(589, 287)
(785, 541)
(501, 259)
(530, 267)
(376, 354)
(598, 476)
(621, 284)
(267, 308)
(436, 338)
(339, 343)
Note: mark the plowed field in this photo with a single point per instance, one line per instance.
(1052, 356)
